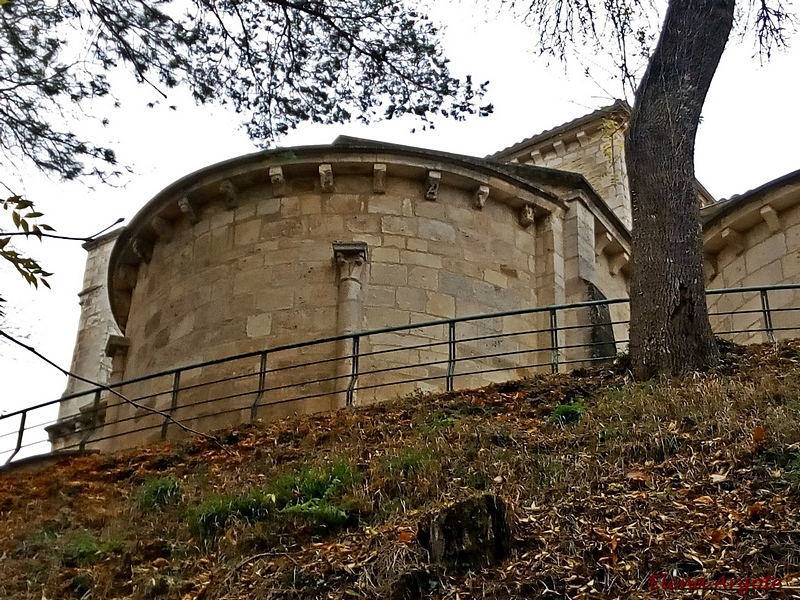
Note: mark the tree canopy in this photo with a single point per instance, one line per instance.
(277, 62)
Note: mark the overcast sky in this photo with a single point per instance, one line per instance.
(748, 136)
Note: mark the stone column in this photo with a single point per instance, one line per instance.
(117, 350)
(579, 273)
(350, 258)
(550, 287)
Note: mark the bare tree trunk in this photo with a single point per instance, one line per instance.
(670, 331)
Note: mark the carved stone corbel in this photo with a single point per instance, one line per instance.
(734, 239)
(601, 242)
(379, 178)
(710, 266)
(480, 196)
(230, 195)
(432, 185)
(125, 278)
(278, 181)
(162, 227)
(187, 208)
(618, 263)
(771, 218)
(326, 178)
(526, 215)
(142, 250)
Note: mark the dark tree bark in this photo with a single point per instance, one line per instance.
(670, 331)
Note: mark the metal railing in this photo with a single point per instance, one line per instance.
(314, 375)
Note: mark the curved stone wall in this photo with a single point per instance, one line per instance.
(242, 259)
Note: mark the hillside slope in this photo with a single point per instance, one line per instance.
(611, 484)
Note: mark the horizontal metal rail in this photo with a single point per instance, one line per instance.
(550, 342)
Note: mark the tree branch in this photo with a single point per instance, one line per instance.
(42, 234)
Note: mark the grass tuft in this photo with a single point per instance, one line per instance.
(158, 491)
(570, 412)
(82, 547)
(313, 494)
(213, 516)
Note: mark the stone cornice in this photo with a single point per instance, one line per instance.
(570, 130)
(725, 222)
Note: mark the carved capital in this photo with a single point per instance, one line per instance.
(350, 258)
(278, 181)
(432, 185)
(117, 345)
(480, 196)
(230, 195)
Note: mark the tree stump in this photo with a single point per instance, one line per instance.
(468, 535)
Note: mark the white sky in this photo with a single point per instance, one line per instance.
(748, 136)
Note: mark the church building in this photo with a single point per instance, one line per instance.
(296, 244)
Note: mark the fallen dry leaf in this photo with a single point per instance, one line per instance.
(638, 475)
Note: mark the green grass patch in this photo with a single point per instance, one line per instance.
(212, 516)
(82, 547)
(314, 494)
(158, 491)
(570, 412)
(793, 471)
(410, 461)
(314, 483)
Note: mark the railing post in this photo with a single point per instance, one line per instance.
(351, 387)
(19, 436)
(554, 352)
(176, 384)
(262, 378)
(93, 426)
(451, 355)
(767, 315)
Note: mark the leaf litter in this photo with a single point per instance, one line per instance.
(692, 478)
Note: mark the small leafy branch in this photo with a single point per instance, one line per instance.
(25, 218)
